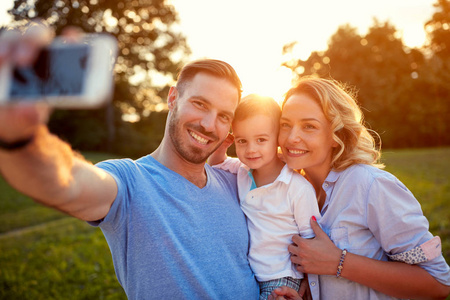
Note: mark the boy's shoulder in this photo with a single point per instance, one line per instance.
(293, 178)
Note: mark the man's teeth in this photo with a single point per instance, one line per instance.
(297, 151)
(199, 139)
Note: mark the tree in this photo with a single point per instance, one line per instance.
(392, 81)
(150, 45)
(151, 51)
(438, 71)
(438, 29)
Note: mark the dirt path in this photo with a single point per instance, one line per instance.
(25, 230)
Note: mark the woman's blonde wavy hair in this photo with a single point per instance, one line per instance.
(356, 144)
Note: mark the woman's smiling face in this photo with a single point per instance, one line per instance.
(305, 135)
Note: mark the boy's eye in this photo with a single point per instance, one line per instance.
(261, 140)
(241, 141)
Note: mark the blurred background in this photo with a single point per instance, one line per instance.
(394, 54)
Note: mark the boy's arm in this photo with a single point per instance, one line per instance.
(304, 206)
(220, 155)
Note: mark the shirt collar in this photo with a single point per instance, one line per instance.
(285, 175)
(333, 176)
(328, 186)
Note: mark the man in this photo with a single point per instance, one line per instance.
(173, 224)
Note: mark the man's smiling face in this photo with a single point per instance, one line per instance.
(201, 115)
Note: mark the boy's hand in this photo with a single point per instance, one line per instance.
(284, 293)
(220, 154)
(304, 291)
(228, 141)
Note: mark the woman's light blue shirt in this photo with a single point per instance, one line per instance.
(370, 212)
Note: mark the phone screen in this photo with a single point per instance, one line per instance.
(56, 72)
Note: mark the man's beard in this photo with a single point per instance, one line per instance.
(191, 154)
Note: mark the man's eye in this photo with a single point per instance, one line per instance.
(198, 104)
(225, 118)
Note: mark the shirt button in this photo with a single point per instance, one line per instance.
(313, 283)
(325, 185)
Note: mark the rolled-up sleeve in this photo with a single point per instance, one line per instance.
(396, 219)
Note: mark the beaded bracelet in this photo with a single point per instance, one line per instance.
(341, 263)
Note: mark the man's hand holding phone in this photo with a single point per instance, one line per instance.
(38, 73)
(18, 123)
(74, 70)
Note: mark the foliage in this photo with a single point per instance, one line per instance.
(151, 51)
(404, 93)
(145, 30)
(438, 29)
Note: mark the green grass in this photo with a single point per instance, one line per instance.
(64, 258)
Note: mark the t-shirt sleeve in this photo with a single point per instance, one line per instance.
(395, 218)
(120, 171)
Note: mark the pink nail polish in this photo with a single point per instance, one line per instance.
(314, 218)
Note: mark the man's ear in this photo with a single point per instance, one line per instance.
(172, 97)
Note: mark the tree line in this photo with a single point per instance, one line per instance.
(404, 92)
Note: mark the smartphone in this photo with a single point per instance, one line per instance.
(66, 74)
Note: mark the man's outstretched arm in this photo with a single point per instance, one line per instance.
(48, 170)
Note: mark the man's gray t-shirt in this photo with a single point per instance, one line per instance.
(170, 239)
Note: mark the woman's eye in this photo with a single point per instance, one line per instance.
(284, 125)
(309, 126)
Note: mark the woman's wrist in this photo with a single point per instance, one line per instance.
(341, 263)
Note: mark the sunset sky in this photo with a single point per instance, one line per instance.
(250, 34)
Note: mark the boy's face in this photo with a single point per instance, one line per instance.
(256, 140)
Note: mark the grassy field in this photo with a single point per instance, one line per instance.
(47, 255)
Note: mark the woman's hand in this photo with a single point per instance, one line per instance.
(317, 255)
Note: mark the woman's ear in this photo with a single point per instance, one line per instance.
(172, 97)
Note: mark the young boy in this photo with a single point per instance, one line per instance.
(277, 201)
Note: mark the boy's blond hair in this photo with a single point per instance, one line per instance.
(255, 104)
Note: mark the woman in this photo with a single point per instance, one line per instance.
(368, 214)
